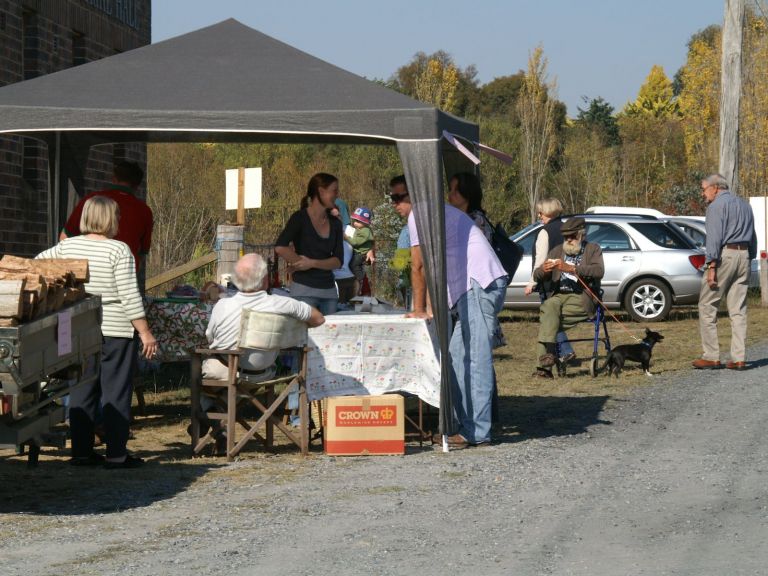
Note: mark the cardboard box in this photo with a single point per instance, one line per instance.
(362, 425)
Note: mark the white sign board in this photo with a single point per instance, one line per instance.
(252, 188)
(758, 209)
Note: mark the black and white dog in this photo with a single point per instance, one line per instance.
(636, 352)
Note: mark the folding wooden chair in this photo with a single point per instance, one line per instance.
(263, 331)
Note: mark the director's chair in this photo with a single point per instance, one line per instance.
(262, 331)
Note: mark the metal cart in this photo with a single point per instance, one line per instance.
(40, 362)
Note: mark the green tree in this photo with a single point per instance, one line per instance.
(599, 117)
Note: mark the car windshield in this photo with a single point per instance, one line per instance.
(663, 235)
(519, 233)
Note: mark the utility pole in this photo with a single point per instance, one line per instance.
(730, 91)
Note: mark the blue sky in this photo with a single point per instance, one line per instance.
(595, 47)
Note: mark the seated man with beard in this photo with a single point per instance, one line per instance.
(566, 266)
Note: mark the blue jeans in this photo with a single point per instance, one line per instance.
(325, 305)
(471, 353)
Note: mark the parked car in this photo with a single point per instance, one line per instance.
(650, 265)
(696, 228)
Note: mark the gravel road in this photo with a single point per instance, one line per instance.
(671, 480)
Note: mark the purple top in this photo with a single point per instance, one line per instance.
(469, 256)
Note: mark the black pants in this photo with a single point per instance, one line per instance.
(356, 266)
(114, 387)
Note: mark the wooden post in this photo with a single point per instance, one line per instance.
(240, 196)
(730, 92)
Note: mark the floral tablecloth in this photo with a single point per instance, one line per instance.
(373, 354)
(178, 326)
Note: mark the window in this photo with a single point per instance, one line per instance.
(663, 235)
(527, 242)
(611, 238)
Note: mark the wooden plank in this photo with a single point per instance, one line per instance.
(179, 271)
(241, 196)
(11, 298)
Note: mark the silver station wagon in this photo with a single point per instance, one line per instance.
(650, 265)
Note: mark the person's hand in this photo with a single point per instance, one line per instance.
(712, 278)
(370, 256)
(528, 290)
(550, 264)
(303, 263)
(149, 345)
(423, 314)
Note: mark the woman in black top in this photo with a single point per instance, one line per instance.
(311, 244)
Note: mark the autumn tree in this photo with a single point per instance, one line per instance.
(536, 109)
(653, 157)
(699, 101)
(437, 84)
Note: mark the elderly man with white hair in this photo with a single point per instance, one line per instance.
(569, 266)
(250, 277)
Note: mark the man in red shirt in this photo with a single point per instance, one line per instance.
(135, 227)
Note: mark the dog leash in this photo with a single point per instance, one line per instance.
(605, 308)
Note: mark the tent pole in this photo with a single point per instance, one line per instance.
(54, 189)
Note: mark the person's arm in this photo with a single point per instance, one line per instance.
(544, 271)
(542, 243)
(316, 318)
(418, 285)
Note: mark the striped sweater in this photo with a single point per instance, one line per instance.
(112, 276)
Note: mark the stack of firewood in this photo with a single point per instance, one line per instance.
(32, 288)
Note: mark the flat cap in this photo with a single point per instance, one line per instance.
(573, 225)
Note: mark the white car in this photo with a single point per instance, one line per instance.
(650, 265)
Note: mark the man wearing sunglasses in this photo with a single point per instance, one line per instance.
(401, 262)
(731, 245)
(569, 266)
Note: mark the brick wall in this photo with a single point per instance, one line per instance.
(43, 36)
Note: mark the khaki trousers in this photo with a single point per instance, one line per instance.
(558, 312)
(732, 282)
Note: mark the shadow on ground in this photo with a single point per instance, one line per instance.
(526, 417)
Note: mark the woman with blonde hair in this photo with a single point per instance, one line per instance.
(112, 275)
(549, 211)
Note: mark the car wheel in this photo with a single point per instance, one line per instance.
(648, 300)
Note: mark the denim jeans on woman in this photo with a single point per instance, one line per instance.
(472, 358)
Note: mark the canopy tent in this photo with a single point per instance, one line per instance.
(230, 83)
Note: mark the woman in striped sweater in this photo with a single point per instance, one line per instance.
(112, 276)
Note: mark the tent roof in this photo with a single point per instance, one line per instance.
(223, 82)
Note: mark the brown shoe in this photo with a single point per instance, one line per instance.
(543, 373)
(736, 365)
(547, 360)
(455, 441)
(703, 364)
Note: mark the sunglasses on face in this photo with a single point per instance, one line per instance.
(570, 236)
(397, 198)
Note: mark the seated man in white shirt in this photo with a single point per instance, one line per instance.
(250, 277)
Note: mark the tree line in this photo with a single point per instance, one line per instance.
(650, 153)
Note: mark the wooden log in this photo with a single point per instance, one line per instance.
(74, 294)
(12, 298)
(61, 266)
(46, 266)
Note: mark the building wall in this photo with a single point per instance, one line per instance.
(39, 37)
